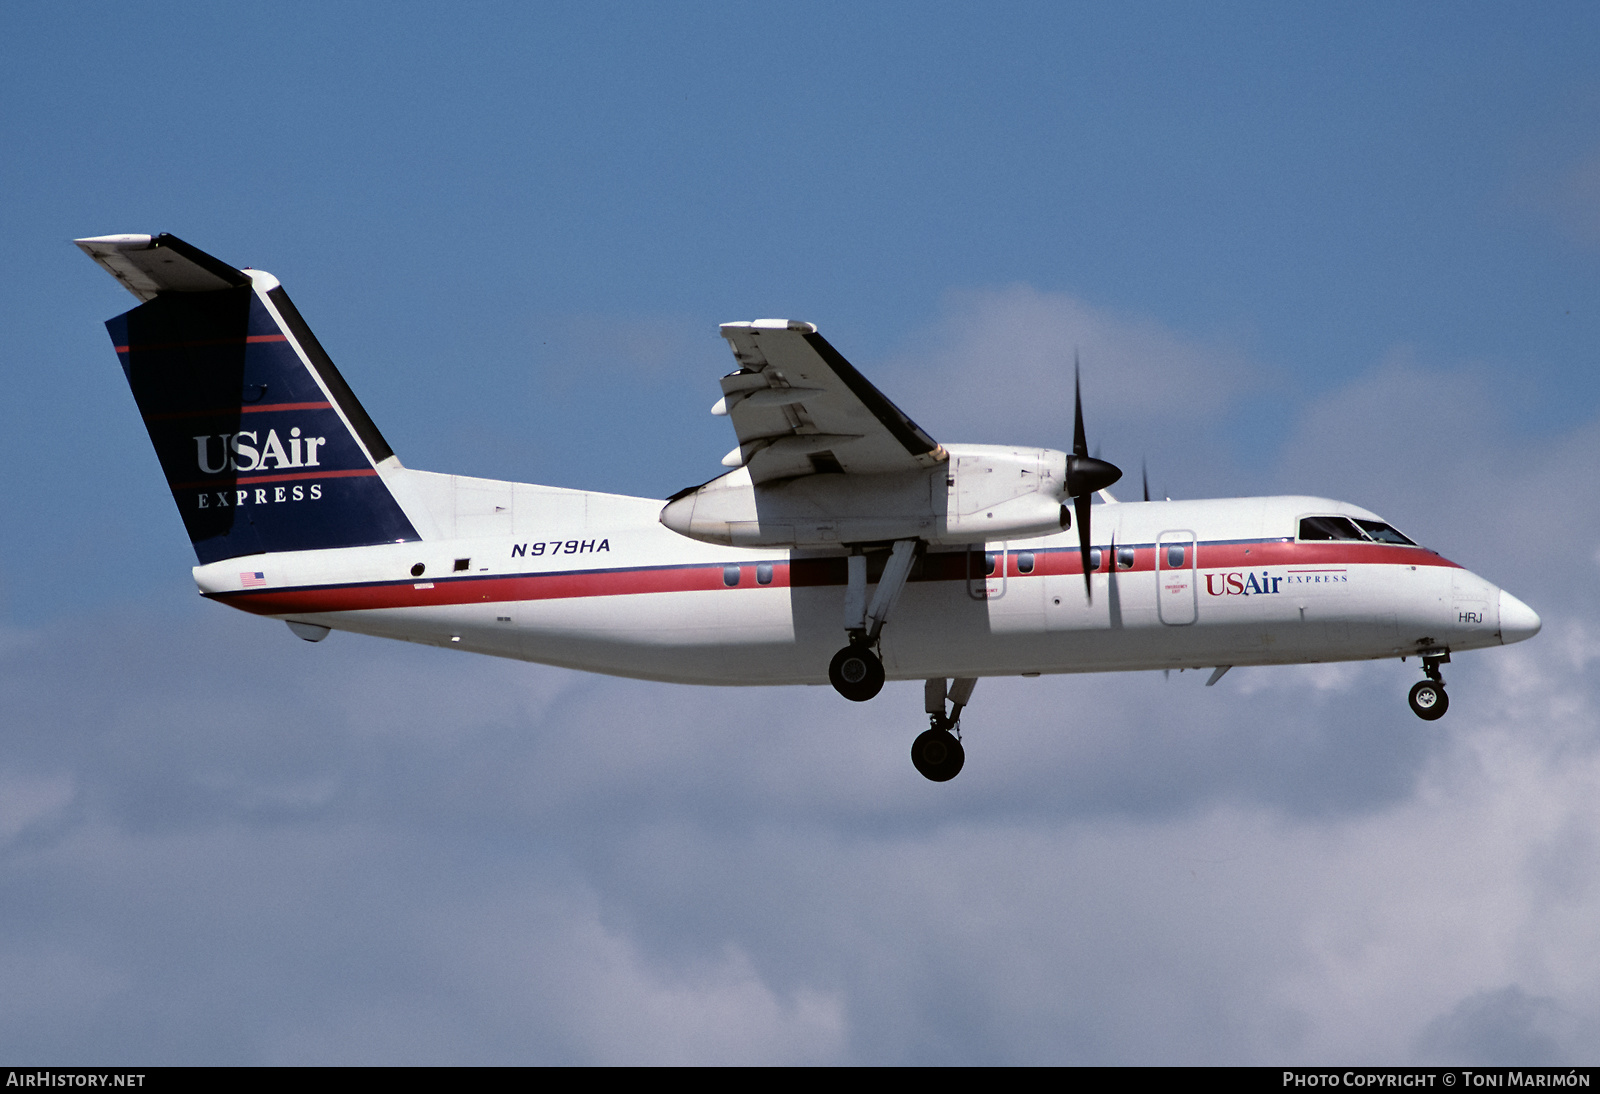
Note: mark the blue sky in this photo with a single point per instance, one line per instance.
(1351, 250)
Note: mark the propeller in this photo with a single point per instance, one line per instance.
(1144, 473)
(1085, 475)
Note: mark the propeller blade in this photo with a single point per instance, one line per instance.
(1144, 473)
(1080, 441)
(1081, 504)
(1086, 475)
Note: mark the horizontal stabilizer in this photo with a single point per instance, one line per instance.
(148, 266)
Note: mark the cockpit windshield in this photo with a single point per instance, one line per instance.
(1325, 528)
(1322, 529)
(1379, 532)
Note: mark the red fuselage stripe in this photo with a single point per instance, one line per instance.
(562, 586)
(801, 573)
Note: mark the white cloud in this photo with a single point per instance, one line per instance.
(1130, 869)
(613, 1004)
(529, 971)
(997, 369)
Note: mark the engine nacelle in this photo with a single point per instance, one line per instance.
(982, 492)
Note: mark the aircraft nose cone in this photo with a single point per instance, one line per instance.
(1517, 620)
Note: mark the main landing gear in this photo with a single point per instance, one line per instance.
(937, 751)
(1428, 699)
(856, 672)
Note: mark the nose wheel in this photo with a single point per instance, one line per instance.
(1428, 698)
(937, 753)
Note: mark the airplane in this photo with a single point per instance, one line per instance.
(839, 521)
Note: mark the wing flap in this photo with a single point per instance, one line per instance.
(799, 408)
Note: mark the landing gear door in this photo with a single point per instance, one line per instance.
(1176, 595)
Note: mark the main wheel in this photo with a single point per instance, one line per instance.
(938, 755)
(1428, 700)
(856, 673)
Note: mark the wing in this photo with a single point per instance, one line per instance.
(799, 408)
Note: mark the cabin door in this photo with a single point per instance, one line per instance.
(1176, 595)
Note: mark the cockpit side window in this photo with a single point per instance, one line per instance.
(1383, 533)
(1326, 528)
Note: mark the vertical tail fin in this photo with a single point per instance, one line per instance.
(264, 445)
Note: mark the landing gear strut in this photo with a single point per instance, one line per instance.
(937, 753)
(1428, 699)
(856, 672)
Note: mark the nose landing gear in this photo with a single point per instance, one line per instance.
(1428, 698)
(937, 753)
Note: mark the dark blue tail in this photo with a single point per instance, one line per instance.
(263, 443)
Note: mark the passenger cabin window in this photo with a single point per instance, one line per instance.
(1025, 562)
(1174, 558)
(1125, 558)
(730, 576)
(989, 561)
(1094, 559)
(763, 573)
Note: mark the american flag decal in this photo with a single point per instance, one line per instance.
(255, 578)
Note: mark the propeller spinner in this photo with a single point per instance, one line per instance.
(1085, 475)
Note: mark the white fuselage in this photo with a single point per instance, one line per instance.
(595, 582)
